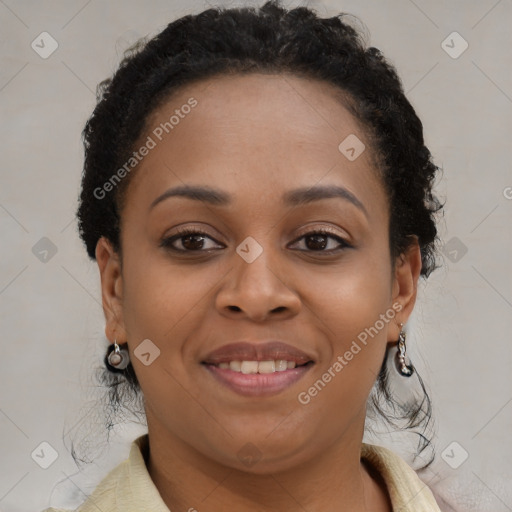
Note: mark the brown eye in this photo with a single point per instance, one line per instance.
(318, 241)
(191, 240)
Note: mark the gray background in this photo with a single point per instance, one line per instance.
(51, 321)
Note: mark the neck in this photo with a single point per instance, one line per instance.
(331, 481)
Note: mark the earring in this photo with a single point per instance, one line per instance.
(117, 358)
(403, 368)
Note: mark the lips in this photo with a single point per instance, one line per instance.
(258, 370)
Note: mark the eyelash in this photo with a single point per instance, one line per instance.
(182, 232)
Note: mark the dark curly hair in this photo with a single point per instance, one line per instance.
(270, 39)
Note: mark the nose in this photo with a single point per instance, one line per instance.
(257, 291)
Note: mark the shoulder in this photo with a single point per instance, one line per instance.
(126, 488)
(407, 491)
(104, 495)
(93, 496)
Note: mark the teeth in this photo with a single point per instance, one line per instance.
(249, 367)
(281, 365)
(266, 367)
(236, 366)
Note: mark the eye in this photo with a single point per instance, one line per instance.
(318, 241)
(191, 240)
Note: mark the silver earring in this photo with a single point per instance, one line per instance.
(403, 368)
(118, 358)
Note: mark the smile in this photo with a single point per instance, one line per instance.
(258, 378)
(257, 369)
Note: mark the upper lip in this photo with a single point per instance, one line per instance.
(260, 351)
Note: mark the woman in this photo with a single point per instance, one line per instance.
(258, 197)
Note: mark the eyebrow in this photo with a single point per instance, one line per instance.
(294, 197)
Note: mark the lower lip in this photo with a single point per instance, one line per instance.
(258, 384)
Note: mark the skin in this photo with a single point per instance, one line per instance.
(256, 137)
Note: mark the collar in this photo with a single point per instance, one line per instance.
(129, 487)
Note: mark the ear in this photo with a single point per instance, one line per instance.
(111, 289)
(405, 285)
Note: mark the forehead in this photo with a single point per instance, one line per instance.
(258, 133)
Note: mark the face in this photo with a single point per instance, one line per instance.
(273, 267)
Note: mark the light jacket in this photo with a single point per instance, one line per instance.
(129, 488)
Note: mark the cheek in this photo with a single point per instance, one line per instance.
(160, 296)
(353, 310)
(165, 304)
(351, 298)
